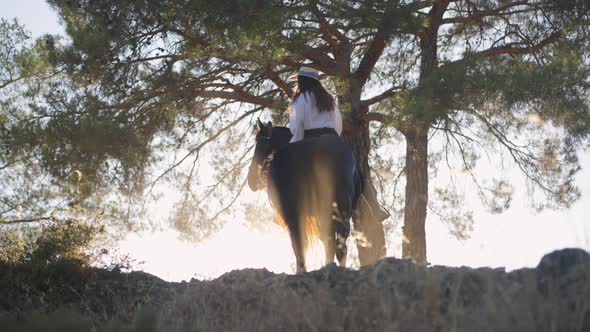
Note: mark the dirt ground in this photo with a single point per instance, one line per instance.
(392, 295)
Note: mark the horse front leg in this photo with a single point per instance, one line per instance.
(296, 242)
(299, 257)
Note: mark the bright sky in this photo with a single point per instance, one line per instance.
(514, 239)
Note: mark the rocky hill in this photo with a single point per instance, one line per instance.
(392, 295)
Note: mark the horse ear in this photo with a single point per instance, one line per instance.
(260, 124)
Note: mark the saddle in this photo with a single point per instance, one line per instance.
(318, 132)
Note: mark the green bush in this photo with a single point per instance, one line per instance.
(14, 246)
(56, 241)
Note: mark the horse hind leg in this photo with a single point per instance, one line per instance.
(329, 248)
(342, 231)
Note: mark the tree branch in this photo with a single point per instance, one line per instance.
(320, 59)
(384, 95)
(10, 81)
(476, 15)
(375, 49)
(239, 96)
(330, 34)
(330, 30)
(375, 117)
(509, 49)
(279, 82)
(23, 221)
(203, 144)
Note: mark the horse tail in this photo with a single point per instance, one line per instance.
(279, 220)
(312, 250)
(310, 233)
(310, 227)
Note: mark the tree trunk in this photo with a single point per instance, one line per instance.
(414, 232)
(368, 223)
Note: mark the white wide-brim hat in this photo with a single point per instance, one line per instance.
(307, 72)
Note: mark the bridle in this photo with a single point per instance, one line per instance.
(263, 137)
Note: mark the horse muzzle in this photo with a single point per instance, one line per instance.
(254, 179)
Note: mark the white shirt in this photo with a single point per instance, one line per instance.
(305, 115)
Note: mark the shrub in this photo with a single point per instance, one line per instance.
(60, 240)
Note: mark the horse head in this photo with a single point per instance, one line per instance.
(269, 139)
(262, 150)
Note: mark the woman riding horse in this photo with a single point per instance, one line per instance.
(313, 111)
(313, 176)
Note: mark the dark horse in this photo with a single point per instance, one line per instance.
(315, 177)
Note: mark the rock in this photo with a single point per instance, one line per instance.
(563, 261)
(563, 283)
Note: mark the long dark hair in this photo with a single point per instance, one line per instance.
(324, 100)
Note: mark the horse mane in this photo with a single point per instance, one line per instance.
(282, 132)
(280, 129)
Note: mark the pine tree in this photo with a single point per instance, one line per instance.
(42, 219)
(182, 69)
